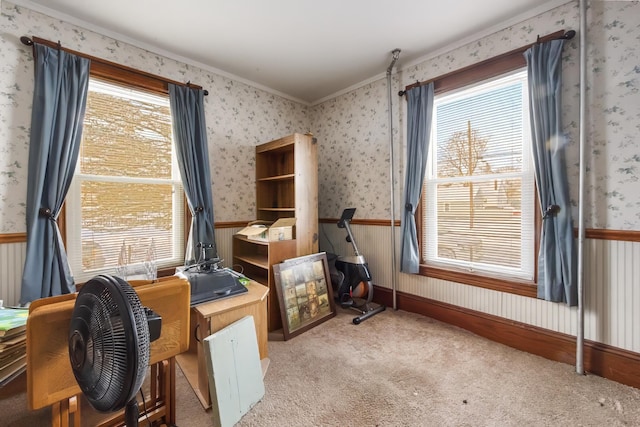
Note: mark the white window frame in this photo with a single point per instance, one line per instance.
(527, 242)
(73, 199)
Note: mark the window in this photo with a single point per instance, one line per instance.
(126, 198)
(479, 209)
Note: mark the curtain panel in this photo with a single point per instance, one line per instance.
(190, 133)
(419, 118)
(59, 103)
(557, 260)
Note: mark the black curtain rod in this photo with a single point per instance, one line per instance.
(558, 35)
(568, 35)
(28, 41)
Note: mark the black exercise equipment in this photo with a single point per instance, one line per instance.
(351, 278)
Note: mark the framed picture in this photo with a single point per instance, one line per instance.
(304, 292)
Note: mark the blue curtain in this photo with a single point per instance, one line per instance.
(557, 260)
(59, 101)
(190, 133)
(419, 118)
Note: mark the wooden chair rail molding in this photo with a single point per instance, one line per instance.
(13, 238)
(590, 233)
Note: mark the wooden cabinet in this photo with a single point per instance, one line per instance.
(286, 187)
(255, 260)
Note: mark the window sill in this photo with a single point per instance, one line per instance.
(523, 288)
(162, 272)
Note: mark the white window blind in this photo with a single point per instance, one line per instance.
(479, 188)
(126, 190)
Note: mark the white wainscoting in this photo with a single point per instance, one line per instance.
(374, 242)
(224, 242)
(11, 263)
(612, 287)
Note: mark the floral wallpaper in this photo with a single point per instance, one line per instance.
(238, 116)
(613, 115)
(353, 128)
(354, 153)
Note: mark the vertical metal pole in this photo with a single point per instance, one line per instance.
(393, 196)
(580, 278)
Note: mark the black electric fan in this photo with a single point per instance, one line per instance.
(109, 344)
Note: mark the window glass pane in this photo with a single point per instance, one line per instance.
(126, 134)
(136, 214)
(480, 133)
(488, 232)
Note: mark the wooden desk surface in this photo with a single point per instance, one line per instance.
(256, 292)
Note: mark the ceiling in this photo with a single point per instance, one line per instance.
(306, 50)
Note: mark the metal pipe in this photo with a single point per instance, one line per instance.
(581, 231)
(395, 55)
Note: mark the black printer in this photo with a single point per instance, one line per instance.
(213, 284)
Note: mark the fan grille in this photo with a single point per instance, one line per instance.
(109, 342)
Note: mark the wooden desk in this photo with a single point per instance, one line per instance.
(50, 379)
(210, 317)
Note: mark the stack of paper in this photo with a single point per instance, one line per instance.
(13, 343)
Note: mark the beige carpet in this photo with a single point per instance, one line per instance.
(401, 369)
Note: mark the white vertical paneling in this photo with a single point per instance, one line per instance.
(596, 293)
(373, 243)
(631, 252)
(11, 265)
(589, 283)
(224, 243)
(628, 300)
(613, 292)
(635, 286)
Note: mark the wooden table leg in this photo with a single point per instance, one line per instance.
(168, 389)
(172, 392)
(56, 415)
(74, 409)
(61, 412)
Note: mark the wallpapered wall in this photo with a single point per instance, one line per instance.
(238, 116)
(612, 189)
(354, 157)
(352, 129)
(354, 165)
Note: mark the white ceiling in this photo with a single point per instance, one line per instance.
(306, 50)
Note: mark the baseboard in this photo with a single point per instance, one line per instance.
(613, 363)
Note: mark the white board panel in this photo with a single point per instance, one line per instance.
(234, 371)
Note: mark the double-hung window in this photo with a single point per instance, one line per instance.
(126, 201)
(478, 206)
